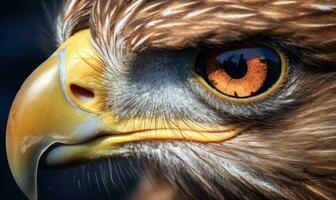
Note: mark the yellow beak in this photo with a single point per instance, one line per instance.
(63, 101)
(43, 112)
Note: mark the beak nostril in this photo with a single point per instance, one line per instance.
(82, 94)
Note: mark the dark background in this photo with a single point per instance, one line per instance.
(25, 42)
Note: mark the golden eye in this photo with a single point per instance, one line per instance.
(242, 73)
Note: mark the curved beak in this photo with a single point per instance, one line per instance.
(51, 107)
(63, 101)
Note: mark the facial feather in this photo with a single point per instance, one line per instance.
(293, 158)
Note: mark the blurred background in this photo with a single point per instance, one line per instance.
(26, 41)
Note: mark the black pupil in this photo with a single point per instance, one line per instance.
(235, 66)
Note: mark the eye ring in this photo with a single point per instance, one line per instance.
(252, 99)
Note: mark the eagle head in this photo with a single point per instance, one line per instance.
(221, 99)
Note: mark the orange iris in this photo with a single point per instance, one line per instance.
(245, 86)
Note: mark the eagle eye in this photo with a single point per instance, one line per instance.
(241, 74)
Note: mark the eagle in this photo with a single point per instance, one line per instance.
(221, 99)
